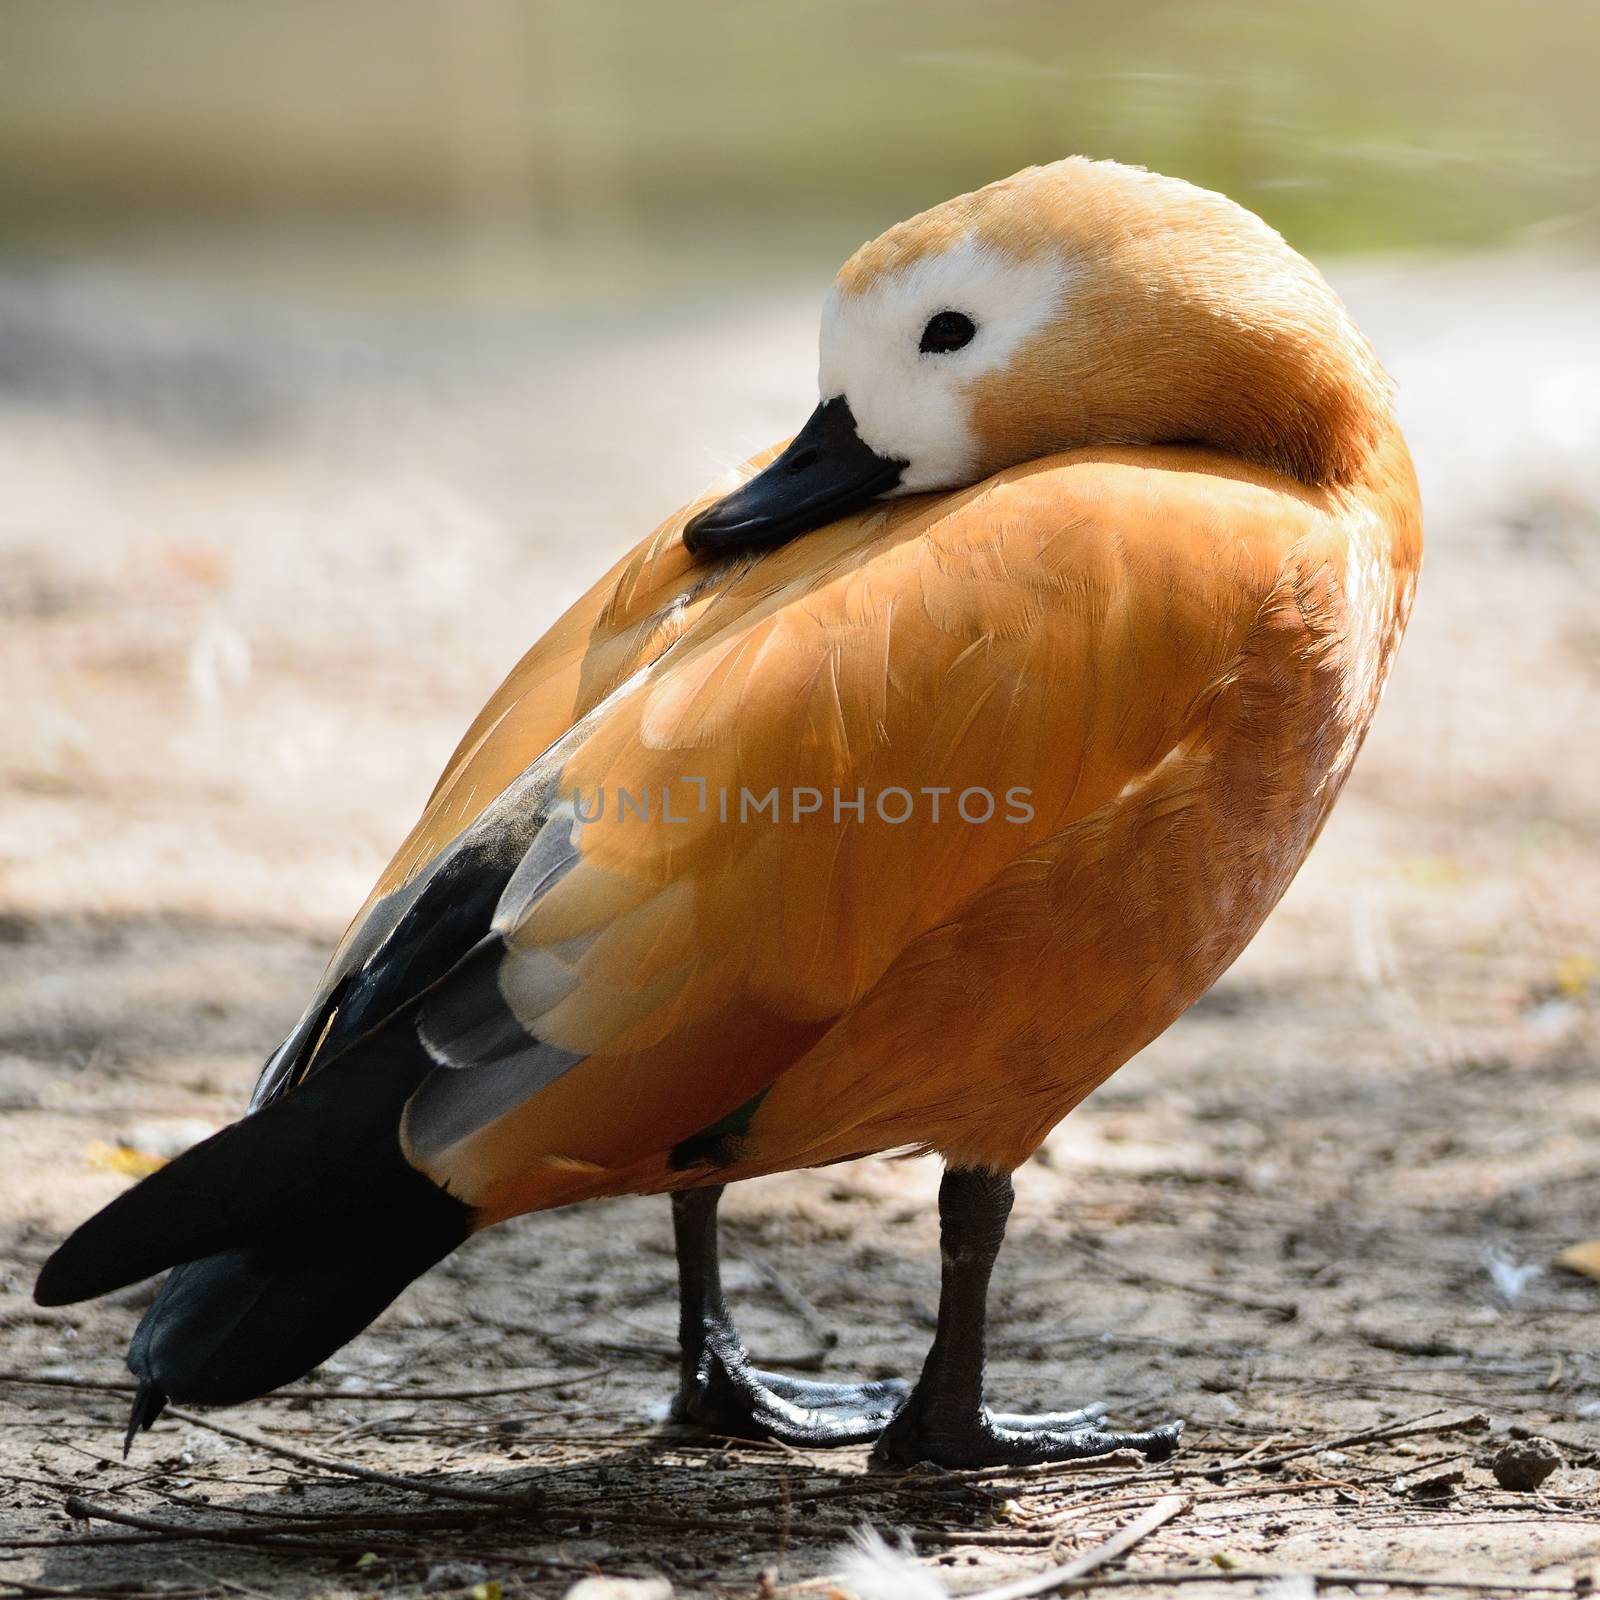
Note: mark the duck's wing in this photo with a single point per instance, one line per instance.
(435, 898)
(842, 746)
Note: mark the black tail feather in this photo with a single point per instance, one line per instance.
(148, 1404)
(332, 1146)
(245, 1321)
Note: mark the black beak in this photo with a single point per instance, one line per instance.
(825, 473)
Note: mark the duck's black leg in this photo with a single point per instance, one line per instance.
(945, 1419)
(718, 1388)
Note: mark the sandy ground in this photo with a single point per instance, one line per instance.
(256, 571)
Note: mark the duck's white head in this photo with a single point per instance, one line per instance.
(1082, 303)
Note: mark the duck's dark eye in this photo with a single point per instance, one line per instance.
(946, 331)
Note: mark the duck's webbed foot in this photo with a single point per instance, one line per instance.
(1006, 1439)
(945, 1420)
(721, 1391)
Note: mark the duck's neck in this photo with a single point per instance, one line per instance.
(1218, 335)
(1305, 397)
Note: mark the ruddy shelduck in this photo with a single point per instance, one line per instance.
(890, 799)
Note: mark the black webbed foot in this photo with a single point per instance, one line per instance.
(1009, 1439)
(726, 1395)
(719, 1389)
(945, 1420)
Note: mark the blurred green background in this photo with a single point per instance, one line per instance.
(558, 152)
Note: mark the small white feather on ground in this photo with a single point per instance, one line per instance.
(870, 1568)
(601, 1587)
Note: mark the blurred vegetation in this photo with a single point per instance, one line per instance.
(558, 149)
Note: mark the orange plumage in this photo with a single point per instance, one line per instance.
(1176, 652)
(1175, 655)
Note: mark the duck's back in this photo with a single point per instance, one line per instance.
(1146, 670)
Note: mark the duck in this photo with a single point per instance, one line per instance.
(888, 797)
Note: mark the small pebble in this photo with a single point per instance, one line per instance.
(454, 1574)
(1524, 1464)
